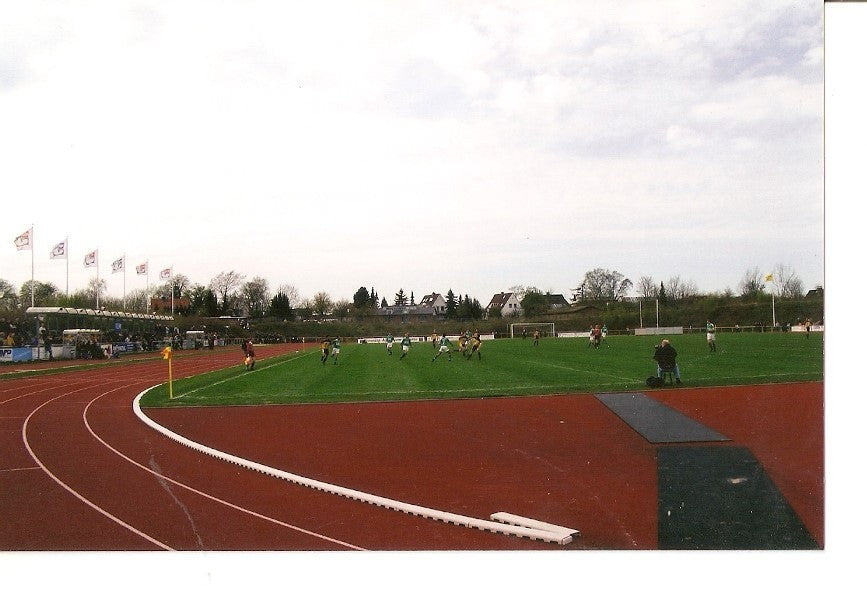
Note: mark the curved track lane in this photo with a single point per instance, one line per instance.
(80, 472)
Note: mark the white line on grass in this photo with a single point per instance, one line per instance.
(232, 378)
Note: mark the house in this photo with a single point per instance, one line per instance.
(434, 301)
(556, 301)
(507, 303)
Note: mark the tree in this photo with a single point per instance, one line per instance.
(255, 296)
(787, 283)
(291, 293)
(361, 299)
(534, 303)
(662, 295)
(224, 286)
(137, 300)
(203, 301)
(8, 296)
(342, 309)
(469, 308)
(400, 299)
(280, 306)
(374, 299)
(44, 293)
(179, 283)
(752, 283)
(605, 285)
(519, 290)
(383, 304)
(451, 304)
(94, 291)
(647, 288)
(411, 298)
(322, 304)
(679, 290)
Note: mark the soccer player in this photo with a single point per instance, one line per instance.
(435, 340)
(711, 336)
(324, 347)
(389, 343)
(250, 360)
(404, 344)
(595, 336)
(335, 348)
(536, 336)
(476, 344)
(445, 345)
(462, 344)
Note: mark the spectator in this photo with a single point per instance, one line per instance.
(665, 356)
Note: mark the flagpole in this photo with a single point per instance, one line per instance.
(124, 281)
(172, 288)
(97, 279)
(66, 253)
(32, 273)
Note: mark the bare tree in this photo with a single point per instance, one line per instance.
(679, 289)
(601, 285)
(786, 282)
(291, 293)
(255, 296)
(647, 287)
(224, 286)
(95, 289)
(752, 283)
(520, 291)
(342, 309)
(322, 303)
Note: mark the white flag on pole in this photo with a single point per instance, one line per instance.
(166, 274)
(59, 250)
(117, 265)
(141, 269)
(90, 259)
(24, 240)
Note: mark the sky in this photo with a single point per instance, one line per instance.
(423, 146)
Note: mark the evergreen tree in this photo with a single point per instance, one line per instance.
(451, 304)
(361, 298)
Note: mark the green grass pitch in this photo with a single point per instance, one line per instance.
(365, 372)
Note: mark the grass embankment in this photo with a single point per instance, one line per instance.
(508, 367)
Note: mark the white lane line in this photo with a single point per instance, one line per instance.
(209, 496)
(69, 489)
(412, 509)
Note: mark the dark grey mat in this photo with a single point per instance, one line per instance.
(655, 421)
(715, 497)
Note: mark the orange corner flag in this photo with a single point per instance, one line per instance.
(167, 353)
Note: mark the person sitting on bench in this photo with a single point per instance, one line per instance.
(665, 356)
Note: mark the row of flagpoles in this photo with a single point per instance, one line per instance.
(24, 242)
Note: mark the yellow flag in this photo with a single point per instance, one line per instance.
(167, 353)
(769, 278)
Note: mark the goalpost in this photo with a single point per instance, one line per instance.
(546, 329)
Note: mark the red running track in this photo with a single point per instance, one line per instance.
(79, 471)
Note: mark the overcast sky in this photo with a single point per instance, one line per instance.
(427, 146)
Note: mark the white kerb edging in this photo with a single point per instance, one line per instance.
(539, 531)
